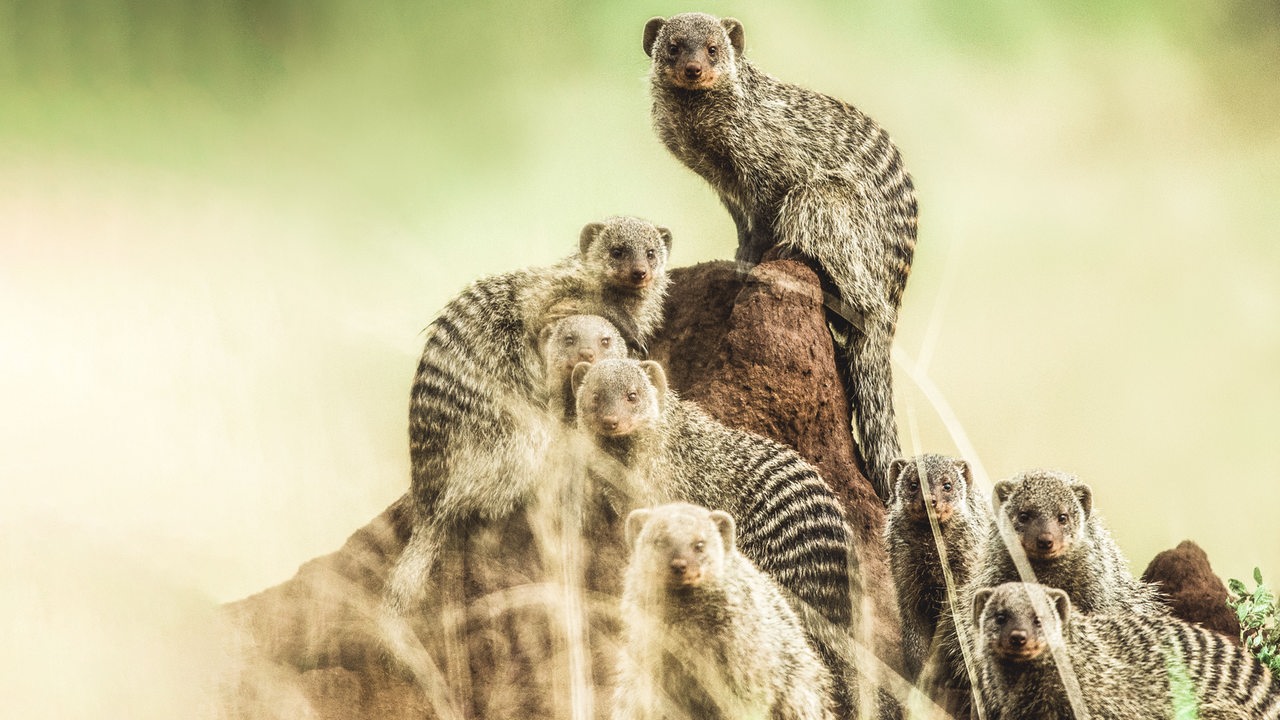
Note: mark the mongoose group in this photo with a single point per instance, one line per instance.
(741, 596)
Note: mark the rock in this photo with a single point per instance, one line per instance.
(1192, 590)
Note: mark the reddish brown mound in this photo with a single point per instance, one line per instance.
(1194, 593)
(752, 348)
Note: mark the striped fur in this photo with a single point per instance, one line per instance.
(659, 448)
(480, 413)
(802, 174)
(707, 635)
(1128, 667)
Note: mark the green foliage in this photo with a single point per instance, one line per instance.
(1259, 614)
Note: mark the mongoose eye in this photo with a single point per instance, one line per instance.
(699, 546)
(650, 254)
(946, 486)
(1024, 516)
(631, 397)
(712, 50)
(1062, 518)
(571, 340)
(1035, 621)
(604, 342)
(1001, 618)
(615, 253)
(673, 48)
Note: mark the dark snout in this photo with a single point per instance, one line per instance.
(685, 571)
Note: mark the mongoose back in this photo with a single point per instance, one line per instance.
(964, 520)
(1049, 515)
(790, 524)
(802, 174)
(569, 341)
(479, 420)
(1127, 667)
(707, 635)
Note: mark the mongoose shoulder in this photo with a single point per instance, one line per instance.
(1049, 517)
(943, 487)
(1125, 667)
(802, 174)
(479, 425)
(707, 635)
(659, 448)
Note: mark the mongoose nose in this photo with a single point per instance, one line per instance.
(638, 275)
(693, 71)
(1018, 638)
(587, 355)
(1044, 542)
(609, 422)
(678, 566)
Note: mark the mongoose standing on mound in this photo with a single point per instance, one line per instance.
(1126, 667)
(659, 448)
(479, 425)
(1049, 516)
(569, 341)
(963, 518)
(802, 174)
(707, 635)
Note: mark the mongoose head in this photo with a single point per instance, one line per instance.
(630, 253)
(576, 339)
(1019, 622)
(1046, 510)
(619, 397)
(949, 480)
(679, 546)
(693, 51)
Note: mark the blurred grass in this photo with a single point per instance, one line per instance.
(223, 224)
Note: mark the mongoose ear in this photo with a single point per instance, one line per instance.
(665, 234)
(651, 29)
(980, 599)
(545, 334)
(635, 523)
(1061, 603)
(657, 376)
(579, 375)
(728, 529)
(1085, 496)
(588, 236)
(734, 29)
(895, 471)
(1003, 490)
(966, 473)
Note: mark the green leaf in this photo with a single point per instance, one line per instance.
(1257, 574)
(1237, 587)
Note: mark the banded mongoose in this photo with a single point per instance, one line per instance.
(479, 424)
(706, 634)
(569, 341)
(790, 524)
(802, 174)
(963, 517)
(1126, 667)
(1049, 515)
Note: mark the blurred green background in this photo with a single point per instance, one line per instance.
(223, 225)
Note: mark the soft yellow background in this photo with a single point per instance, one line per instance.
(223, 225)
